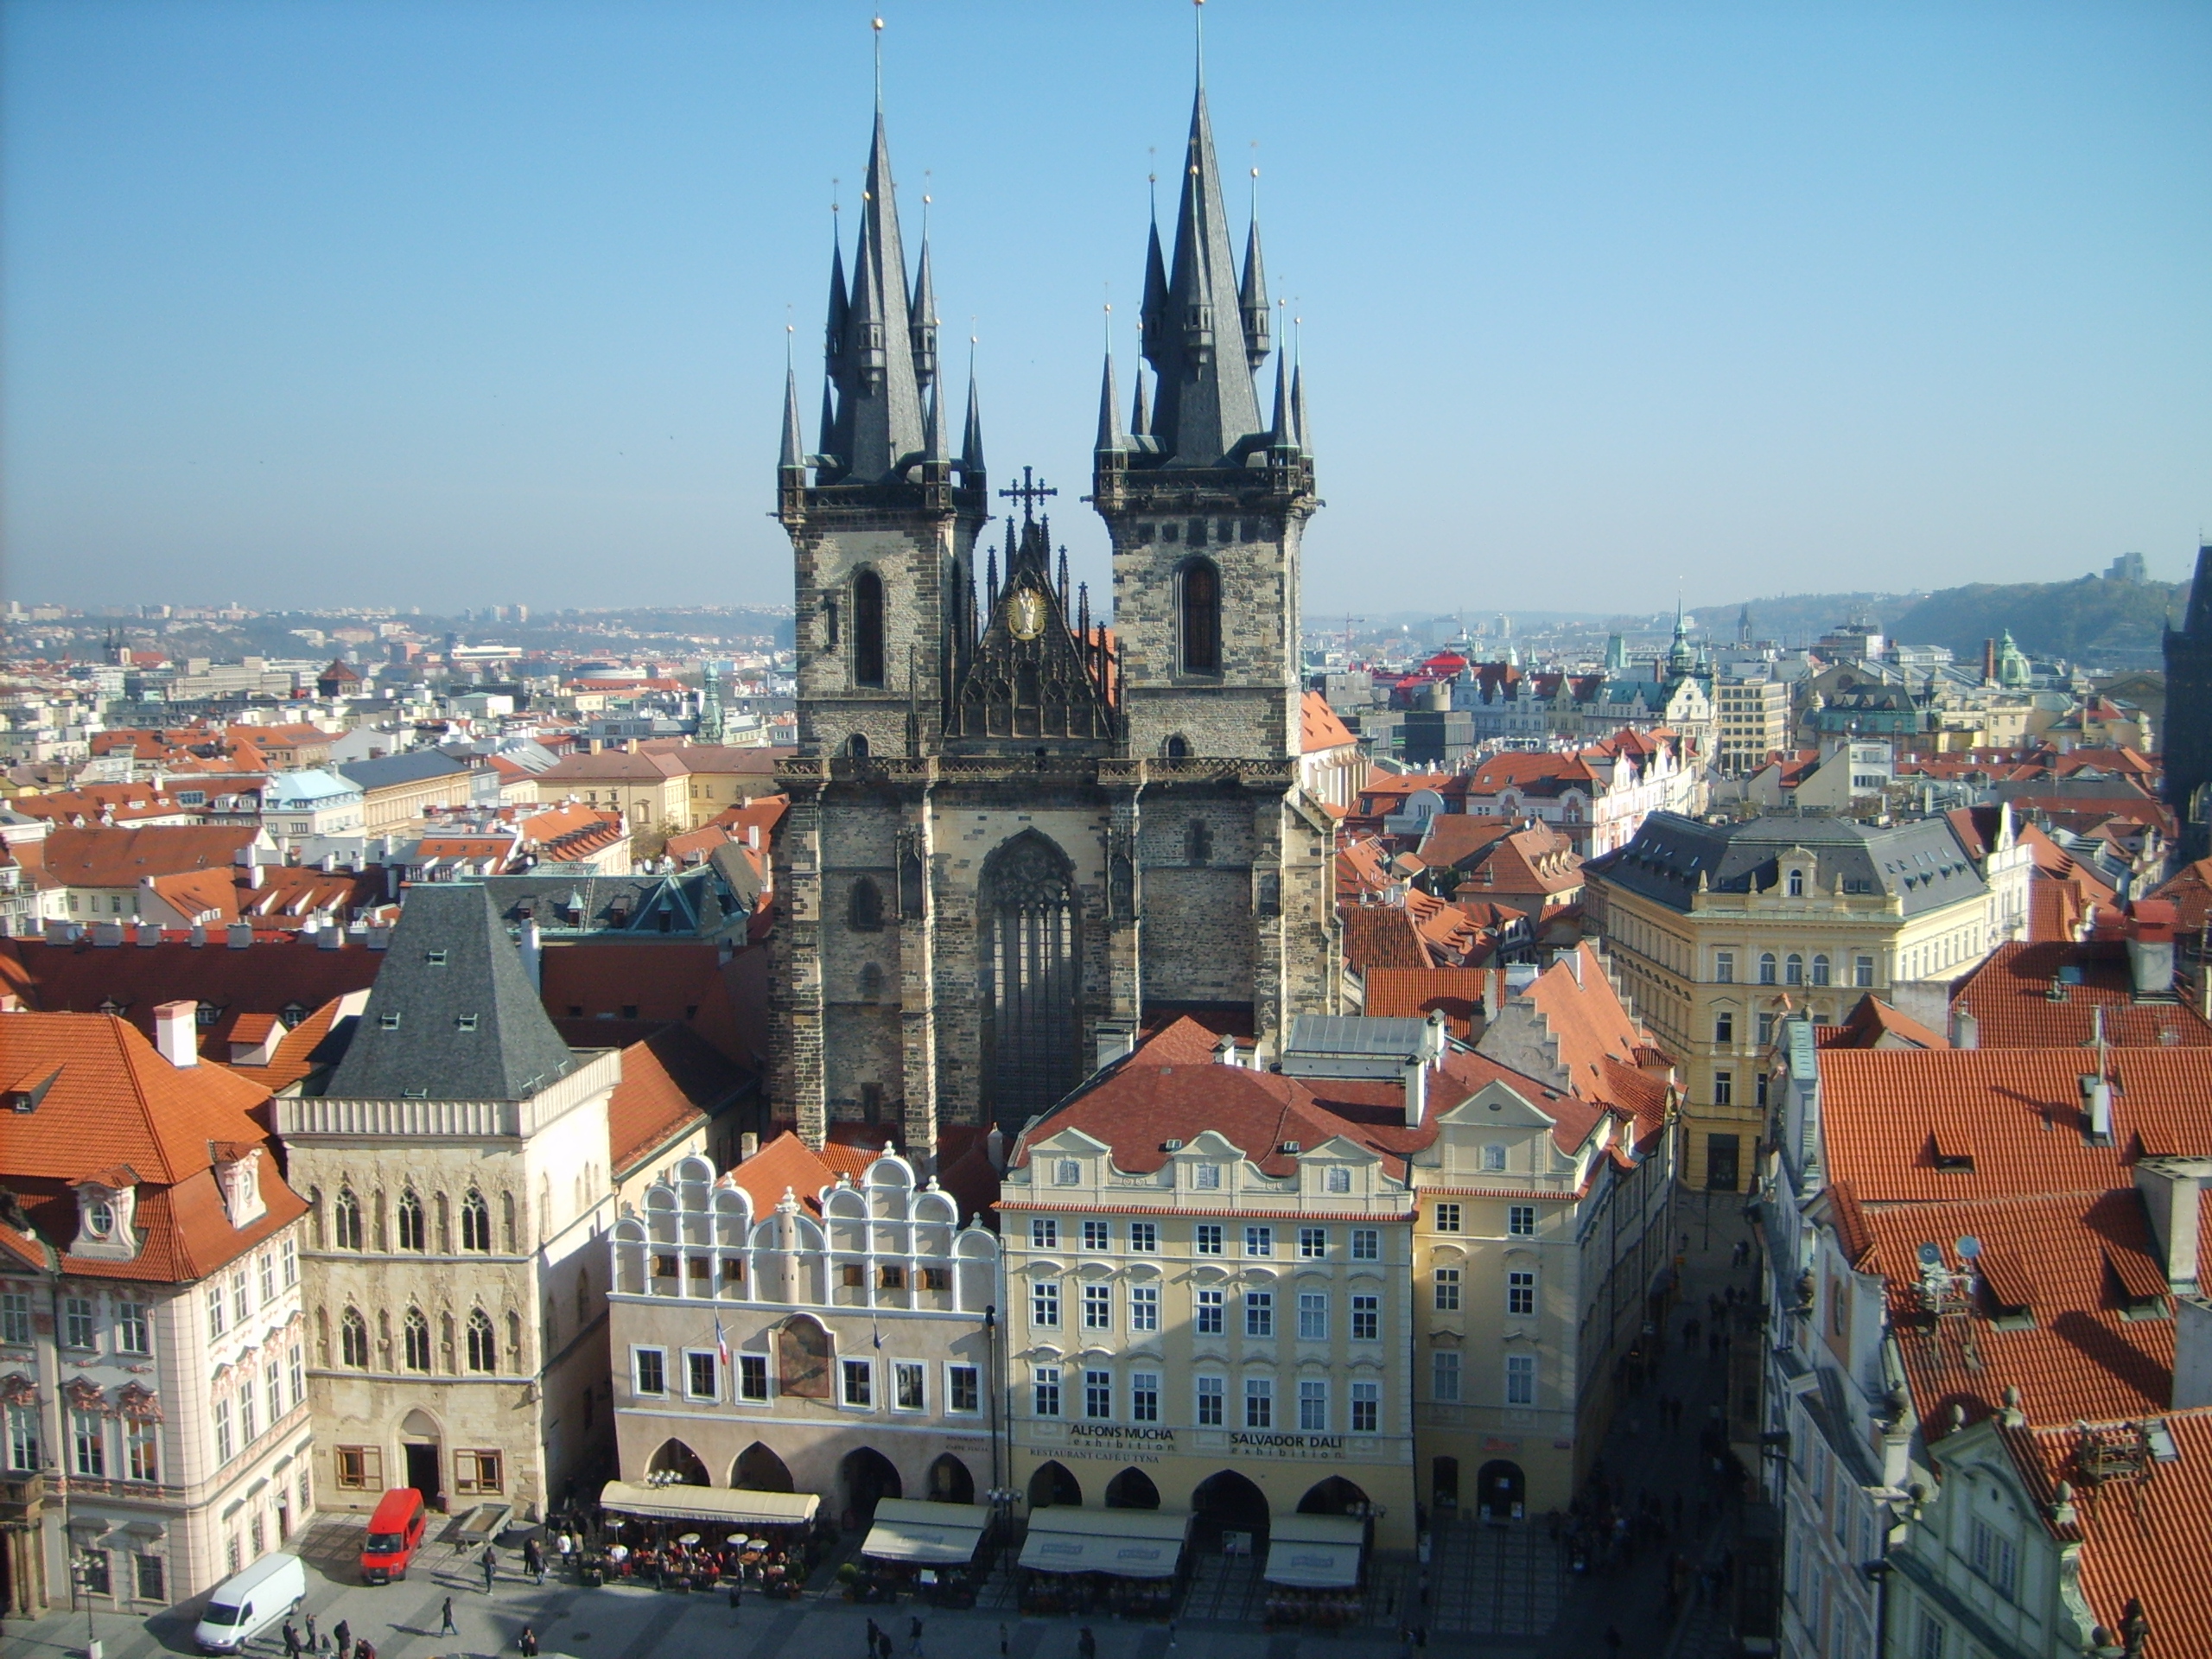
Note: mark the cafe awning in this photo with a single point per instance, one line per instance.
(1315, 1552)
(715, 1505)
(929, 1534)
(1128, 1543)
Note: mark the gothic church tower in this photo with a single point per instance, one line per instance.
(1017, 834)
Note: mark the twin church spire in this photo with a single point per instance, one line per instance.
(882, 390)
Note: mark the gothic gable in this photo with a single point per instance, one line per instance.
(1030, 675)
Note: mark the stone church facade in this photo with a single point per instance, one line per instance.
(1018, 833)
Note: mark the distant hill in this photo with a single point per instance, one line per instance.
(1800, 619)
(2095, 619)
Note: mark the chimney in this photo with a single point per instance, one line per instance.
(199, 934)
(176, 1032)
(1416, 1091)
(253, 876)
(2169, 1188)
(1988, 661)
(1434, 1040)
(2151, 959)
(1965, 1029)
(748, 1145)
(994, 1147)
(753, 836)
(1224, 1052)
(533, 952)
(107, 933)
(2192, 1353)
(2096, 1106)
(1574, 964)
(239, 935)
(150, 933)
(332, 935)
(1114, 1040)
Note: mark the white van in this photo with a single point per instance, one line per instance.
(248, 1603)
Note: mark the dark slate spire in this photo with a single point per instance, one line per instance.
(794, 449)
(879, 405)
(1207, 403)
(1252, 296)
(922, 331)
(1284, 426)
(1110, 440)
(1140, 415)
(2198, 619)
(933, 447)
(971, 440)
(829, 417)
(833, 349)
(1151, 319)
(452, 1015)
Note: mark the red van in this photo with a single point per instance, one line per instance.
(395, 1534)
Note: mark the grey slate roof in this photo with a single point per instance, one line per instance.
(1921, 861)
(695, 901)
(452, 1015)
(416, 766)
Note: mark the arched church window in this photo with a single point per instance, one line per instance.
(864, 912)
(867, 628)
(353, 1339)
(483, 1346)
(475, 1222)
(1033, 988)
(410, 1222)
(1176, 748)
(1200, 609)
(871, 982)
(417, 1330)
(856, 747)
(349, 1219)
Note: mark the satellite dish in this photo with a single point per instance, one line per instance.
(1930, 1256)
(1969, 1247)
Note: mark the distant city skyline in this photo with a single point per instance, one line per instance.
(357, 305)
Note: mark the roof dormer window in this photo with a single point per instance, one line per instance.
(106, 1204)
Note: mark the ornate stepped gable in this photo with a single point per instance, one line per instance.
(1031, 674)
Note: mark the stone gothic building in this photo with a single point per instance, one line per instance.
(1019, 833)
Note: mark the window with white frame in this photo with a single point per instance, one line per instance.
(22, 1437)
(1098, 1395)
(1211, 1391)
(15, 1319)
(1520, 1293)
(1862, 972)
(1045, 1304)
(1444, 1282)
(1045, 1388)
(1067, 1172)
(1996, 1558)
(1144, 1307)
(1447, 1217)
(1259, 1240)
(79, 1322)
(1337, 1178)
(1144, 1397)
(225, 1442)
(1205, 1177)
(963, 1391)
(1520, 1220)
(1520, 1379)
(1259, 1402)
(909, 1392)
(1443, 1375)
(1205, 1238)
(1259, 1313)
(1312, 1316)
(1098, 1307)
(1044, 1233)
(859, 1375)
(1366, 1245)
(1312, 1243)
(1494, 1157)
(1366, 1319)
(753, 1378)
(649, 1368)
(1366, 1407)
(1312, 1405)
(1098, 1236)
(132, 1331)
(1211, 1323)
(701, 1378)
(1144, 1237)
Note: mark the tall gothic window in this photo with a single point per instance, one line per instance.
(1031, 977)
(418, 1340)
(349, 1220)
(867, 628)
(410, 1220)
(353, 1339)
(475, 1222)
(483, 1346)
(1201, 604)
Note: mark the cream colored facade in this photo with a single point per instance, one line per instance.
(1751, 717)
(860, 1362)
(1712, 973)
(1532, 1275)
(1167, 1327)
(473, 1364)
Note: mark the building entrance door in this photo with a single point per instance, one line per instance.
(422, 1473)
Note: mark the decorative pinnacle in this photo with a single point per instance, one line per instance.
(878, 26)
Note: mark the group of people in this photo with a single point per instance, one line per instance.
(339, 1643)
(1324, 1609)
(704, 1564)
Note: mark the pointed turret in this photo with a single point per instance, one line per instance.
(1301, 435)
(1151, 321)
(1110, 440)
(971, 439)
(828, 446)
(1283, 427)
(793, 453)
(1140, 412)
(933, 449)
(1252, 296)
(833, 348)
(922, 331)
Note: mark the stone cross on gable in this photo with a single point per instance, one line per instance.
(1029, 493)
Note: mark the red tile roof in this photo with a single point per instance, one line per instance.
(98, 857)
(2073, 1262)
(2016, 1113)
(1873, 1023)
(110, 1100)
(1318, 725)
(672, 1083)
(2191, 891)
(1415, 993)
(1383, 936)
(2009, 997)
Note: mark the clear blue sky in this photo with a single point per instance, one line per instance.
(451, 303)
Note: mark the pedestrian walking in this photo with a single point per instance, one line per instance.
(874, 1631)
(342, 1636)
(913, 1638)
(526, 1644)
(446, 1626)
(291, 1641)
(1171, 1633)
(491, 1568)
(364, 1649)
(1086, 1644)
(736, 1585)
(1002, 1648)
(883, 1646)
(314, 1641)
